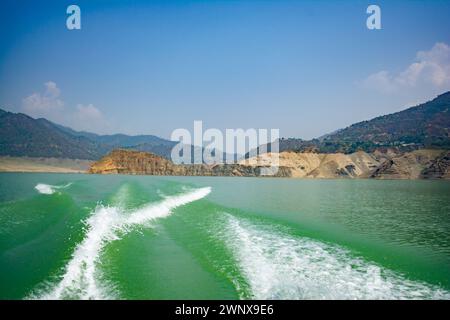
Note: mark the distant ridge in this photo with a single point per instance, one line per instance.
(22, 135)
(119, 139)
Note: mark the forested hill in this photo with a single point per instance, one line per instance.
(21, 135)
(423, 126)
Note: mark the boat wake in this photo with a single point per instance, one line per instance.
(50, 189)
(81, 278)
(276, 265)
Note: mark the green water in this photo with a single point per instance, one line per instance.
(66, 236)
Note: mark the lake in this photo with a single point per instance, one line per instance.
(76, 236)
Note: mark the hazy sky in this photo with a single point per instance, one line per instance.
(305, 67)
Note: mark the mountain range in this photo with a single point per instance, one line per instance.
(424, 126)
(21, 135)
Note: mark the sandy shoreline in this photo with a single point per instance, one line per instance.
(49, 165)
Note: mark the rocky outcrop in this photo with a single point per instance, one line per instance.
(439, 168)
(319, 165)
(410, 165)
(381, 164)
(135, 162)
(386, 164)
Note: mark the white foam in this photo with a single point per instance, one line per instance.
(279, 266)
(44, 188)
(48, 188)
(82, 279)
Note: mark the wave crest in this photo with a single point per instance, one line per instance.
(50, 189)
(81, 279)
(279, 266)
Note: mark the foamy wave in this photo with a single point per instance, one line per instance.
(279, 266)
(81, 279)
(48, 188)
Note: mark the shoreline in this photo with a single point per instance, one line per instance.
(43, 165)
(67, 171)
(76, 166)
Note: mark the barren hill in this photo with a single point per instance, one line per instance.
(419, 164)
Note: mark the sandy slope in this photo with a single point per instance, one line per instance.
(319, 165)
(381, 165)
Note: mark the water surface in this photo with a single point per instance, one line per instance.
(73, 236)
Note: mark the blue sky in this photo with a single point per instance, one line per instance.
(305, 67)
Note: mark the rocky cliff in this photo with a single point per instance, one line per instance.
(387, 164)
(136, 162)
(381, 164)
